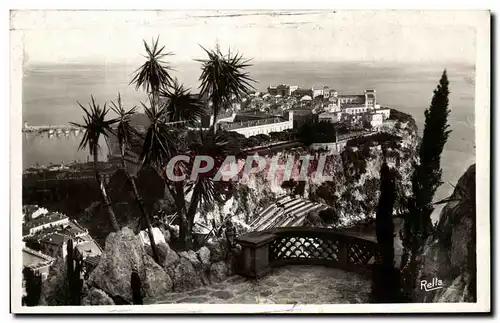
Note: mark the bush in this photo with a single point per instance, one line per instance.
(329, 216)
(55, 288)
(33, 287)
(386, 286)
(317, 132)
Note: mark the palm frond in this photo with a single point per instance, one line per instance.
(154, 74)
(181, 105)
(218, 147)
(159, 142)
(124, 132)
(95, 125)
(224, 77)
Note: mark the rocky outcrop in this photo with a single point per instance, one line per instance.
(218, 249)
(193, 259)
(352, 195)
(184, 276)
(218, 271)
(450, 254)
(123, 254)
(97, 297)
(168, 257)
(204, 256)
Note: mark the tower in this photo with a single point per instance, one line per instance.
(370, 99)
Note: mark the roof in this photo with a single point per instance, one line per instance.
(72, 230)
(329, 114)
(250, 123)
(254, 115)
(352, 96)
(33, 258)
(89, 248)
(286, 212)
(48, 218)
(92, 260)
(55, 238)
(352, 105)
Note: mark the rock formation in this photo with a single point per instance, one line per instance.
(450, 253)
(123, 254)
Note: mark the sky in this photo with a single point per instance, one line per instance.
(116, 36)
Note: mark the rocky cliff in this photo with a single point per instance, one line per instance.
(450, 253)
(354, 188)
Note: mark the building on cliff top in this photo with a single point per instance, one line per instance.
(260, 126)
(38, 262)
(48, 220)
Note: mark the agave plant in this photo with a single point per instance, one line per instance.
(181, 105)
(154, 74)
(223, 78)
(96, 126)
(125, 134)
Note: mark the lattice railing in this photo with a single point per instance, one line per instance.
(315, 245)
(290, 247)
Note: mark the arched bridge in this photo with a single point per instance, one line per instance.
(263, 250)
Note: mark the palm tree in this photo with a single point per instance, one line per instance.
(154, 74)
(223, 79)
(159, 146)
(96, 126)
(181, 105)
(125, 134)
(204, 188)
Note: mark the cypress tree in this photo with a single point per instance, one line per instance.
(384, 225)
(73, 274)
(70, 269)
(386, 278)
(426, 179)
(33, 282)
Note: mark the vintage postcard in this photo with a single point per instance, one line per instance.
(252, 161)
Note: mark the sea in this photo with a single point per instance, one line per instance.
(51, 94)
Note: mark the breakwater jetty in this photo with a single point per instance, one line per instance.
(51, 129)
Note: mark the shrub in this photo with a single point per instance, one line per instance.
(33, 282)
(329, 216)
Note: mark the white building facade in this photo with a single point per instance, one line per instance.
(258, 127)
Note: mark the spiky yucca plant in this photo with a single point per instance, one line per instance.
(181, 105)
(154, 74)
(125, 134)
(223, 78)
(96, 126)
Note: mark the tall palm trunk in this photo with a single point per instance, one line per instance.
(193, 207)
(184, 228)
(104, 194)
(215, 124)
(215, 109)
(140, 203)
(177, 193)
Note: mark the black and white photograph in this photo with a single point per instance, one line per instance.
(237, 161)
